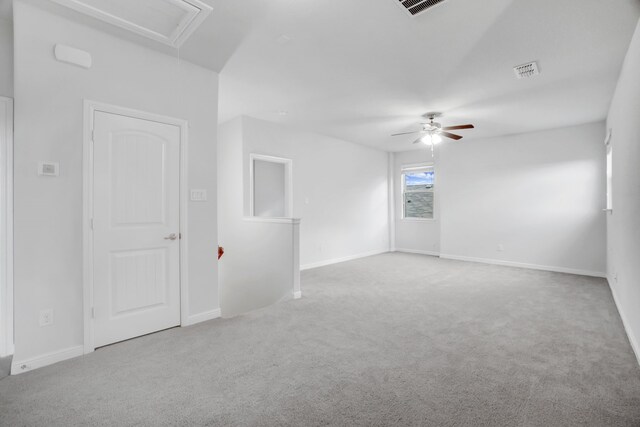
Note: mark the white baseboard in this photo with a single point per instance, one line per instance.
(525, 265)
(297, 295)
(22, 366)
(203, 317)
(339, 260)
(625, 322)
(416, 251)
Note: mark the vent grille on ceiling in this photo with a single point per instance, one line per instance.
(415, 7)
(525, 71)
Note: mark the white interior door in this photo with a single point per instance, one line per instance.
(136, 217)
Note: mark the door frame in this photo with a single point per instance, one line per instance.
(6, 231)
(90, 108)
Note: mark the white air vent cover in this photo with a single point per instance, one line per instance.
(168, 21)
(527, 70)
(416, 7)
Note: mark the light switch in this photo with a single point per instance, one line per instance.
(198, 195)
(48, 168)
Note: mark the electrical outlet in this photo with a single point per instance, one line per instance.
(46, 317)
(500, 247)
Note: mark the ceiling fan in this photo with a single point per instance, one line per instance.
(433, 131)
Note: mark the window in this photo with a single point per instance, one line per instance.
(609, 174)
(418, 192)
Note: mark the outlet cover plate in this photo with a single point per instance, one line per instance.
(46, 317)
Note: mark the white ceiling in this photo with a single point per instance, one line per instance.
(210, 46)
(361, 70)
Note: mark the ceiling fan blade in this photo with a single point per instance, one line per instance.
(406, 133)
(418, 141)
(458, 127)
(451, 135)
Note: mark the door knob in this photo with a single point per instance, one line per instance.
(172, 236)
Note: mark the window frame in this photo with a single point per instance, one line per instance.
(609, 172)
(288, 190)
(413, 168)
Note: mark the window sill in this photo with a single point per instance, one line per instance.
(272, 219)
(418, 219)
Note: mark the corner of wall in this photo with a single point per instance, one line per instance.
(633, 341)
(623, 246)
(391, 200)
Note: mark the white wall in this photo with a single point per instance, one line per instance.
(260, 265)
(49, 126)
(6, 58)
(339, 190)
(411, 235)
(623, 224)
(540, 195)
(230, 185)
(269, 194)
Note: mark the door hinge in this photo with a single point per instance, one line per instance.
(180, 236)
(93, 313)
(91, 223)
(93, 135)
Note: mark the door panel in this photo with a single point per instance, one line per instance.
(136, 208)
(139, 160)
(138, 280)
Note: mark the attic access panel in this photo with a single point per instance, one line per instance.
(416, 7)
(168, 21)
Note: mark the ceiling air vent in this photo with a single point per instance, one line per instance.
(168, 21)
(525, 71)
(416, 7)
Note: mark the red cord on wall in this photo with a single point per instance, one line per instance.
(220, 252)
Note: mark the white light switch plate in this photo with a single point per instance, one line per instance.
(198, 195)
(48, 168)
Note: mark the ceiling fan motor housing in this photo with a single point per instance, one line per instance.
(432, 127)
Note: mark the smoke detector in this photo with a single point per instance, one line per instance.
(416, 7)
(525, 71)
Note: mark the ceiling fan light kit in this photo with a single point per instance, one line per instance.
(434, 131)
(431, 139)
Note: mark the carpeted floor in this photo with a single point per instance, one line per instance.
(5, 367)
(395, 339)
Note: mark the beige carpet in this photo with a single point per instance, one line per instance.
(5, 367)
(394, 339)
